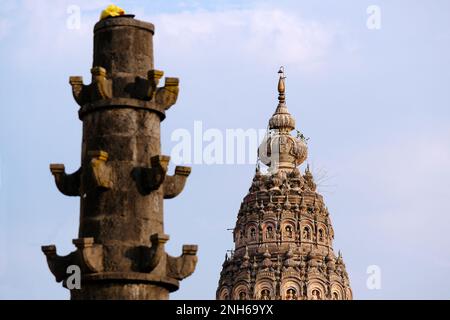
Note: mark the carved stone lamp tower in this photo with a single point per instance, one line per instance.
(123, 177)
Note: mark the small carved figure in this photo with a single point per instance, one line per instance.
(320, 235)
(269, 232)
(316, 295)
(306, 233)
(288, 231)
(265, 295)
(291, 294)
(253, 234)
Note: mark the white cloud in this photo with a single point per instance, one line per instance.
(259, 36)
(44, 36)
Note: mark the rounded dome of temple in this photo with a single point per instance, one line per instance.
(283, 151)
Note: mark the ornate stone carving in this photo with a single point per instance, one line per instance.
(287, 244)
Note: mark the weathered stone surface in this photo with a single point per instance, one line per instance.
(120, 290)
(121, 181)
(123, 45)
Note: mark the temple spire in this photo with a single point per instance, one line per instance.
(281, 218)
(280, 150)
(282, 120)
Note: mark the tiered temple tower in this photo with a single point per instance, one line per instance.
(283, 235)
(123, 177)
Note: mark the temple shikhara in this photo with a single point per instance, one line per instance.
(123, 178)
(283, 235)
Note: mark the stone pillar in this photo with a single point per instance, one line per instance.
(123, 177)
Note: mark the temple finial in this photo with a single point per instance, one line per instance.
(281, 85)
(290, 151)
(282, 119)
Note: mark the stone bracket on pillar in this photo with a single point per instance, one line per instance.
(150, 179)
(144, 89)
(138, 87)
(173, 185)
(153, 77)
(99, 173)
(88, 256)
(99, 176)
(147, 89)
(153, 255)
(167, 96)
(67, 184)
(183, 266)
(79, 90)
(58, 264)
(99, 89)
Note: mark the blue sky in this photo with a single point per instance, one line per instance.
(375, 104)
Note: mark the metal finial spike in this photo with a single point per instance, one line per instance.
(281, 72)
(281, 85)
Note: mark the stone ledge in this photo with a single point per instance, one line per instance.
(121, 103)
(137, 277)
(123, 21)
